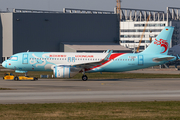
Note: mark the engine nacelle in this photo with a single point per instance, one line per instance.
(65, 71)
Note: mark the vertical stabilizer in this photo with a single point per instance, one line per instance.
(161, 43)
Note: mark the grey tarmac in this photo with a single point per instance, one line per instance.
(93, 90)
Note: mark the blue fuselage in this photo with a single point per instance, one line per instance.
(46, 61)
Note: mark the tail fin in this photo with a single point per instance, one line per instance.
(161, 43)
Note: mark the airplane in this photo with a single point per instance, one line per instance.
(66, 65)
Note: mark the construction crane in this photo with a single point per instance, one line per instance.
(118, 12)
(143, 33)
(150, 37)
(118, 6)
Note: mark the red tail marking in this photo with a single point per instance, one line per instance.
(163, 43)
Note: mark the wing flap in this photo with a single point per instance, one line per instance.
(91, 64)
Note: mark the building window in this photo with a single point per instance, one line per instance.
(127, 41)
(141, 30)
(131, 36)
(149, 25)
(141, 47)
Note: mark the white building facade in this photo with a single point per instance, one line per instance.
(134, 21)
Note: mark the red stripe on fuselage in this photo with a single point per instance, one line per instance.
(113, 56)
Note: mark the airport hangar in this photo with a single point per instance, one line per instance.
(51, 31)
(79, 30)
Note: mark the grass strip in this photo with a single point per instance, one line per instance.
(106, 75)
(125, 75)
(6, 89)
(169, 110)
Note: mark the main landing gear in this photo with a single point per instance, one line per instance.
(84, 77)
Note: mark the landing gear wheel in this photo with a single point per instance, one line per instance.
(35, 78)
(16, 78)
(84, 78)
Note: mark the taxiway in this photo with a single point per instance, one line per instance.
(93, 90)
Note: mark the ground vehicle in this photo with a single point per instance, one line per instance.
(10, 76)
(26, 78)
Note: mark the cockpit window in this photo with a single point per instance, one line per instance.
(13, 58)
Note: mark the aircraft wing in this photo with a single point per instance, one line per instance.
(91, 64)
(162, 59)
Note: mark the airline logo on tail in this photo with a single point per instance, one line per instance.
(162, 43)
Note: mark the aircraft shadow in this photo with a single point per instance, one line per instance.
(97, 80)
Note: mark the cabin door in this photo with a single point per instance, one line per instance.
(140, 60)
(25, 59)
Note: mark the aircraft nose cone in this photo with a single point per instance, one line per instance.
(4, 64)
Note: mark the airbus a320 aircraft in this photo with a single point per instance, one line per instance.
(66, 65)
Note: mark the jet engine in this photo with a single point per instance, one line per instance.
(65, 71)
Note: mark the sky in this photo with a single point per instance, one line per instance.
(106, 5)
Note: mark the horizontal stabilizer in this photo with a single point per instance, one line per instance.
(162, 59)
(178, 58)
